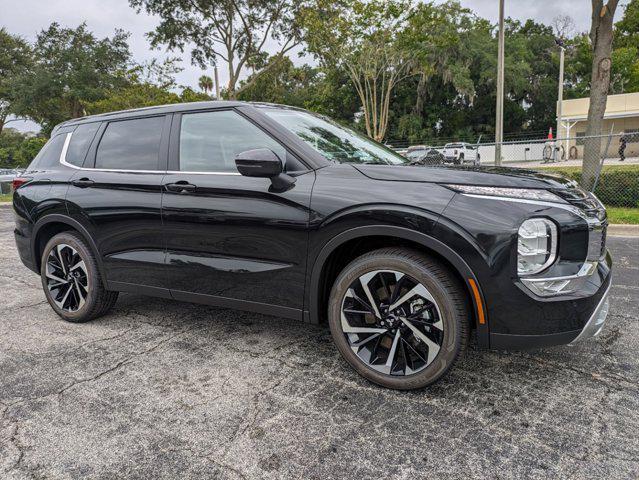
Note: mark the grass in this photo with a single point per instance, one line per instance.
(577, 168)
(623, 215)
(6, 197)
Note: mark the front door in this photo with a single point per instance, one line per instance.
(231, 240)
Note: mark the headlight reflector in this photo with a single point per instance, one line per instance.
(518, 193)
(536, 245)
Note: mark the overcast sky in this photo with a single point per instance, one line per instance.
(28, 17)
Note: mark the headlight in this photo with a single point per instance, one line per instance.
(536, 246)
(518, 193)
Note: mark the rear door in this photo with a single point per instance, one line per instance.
(116, 194)
(232, 240)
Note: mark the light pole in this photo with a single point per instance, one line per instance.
(499, 116)
(217, 83)
(560, 93)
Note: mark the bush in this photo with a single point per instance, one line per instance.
(617, 186)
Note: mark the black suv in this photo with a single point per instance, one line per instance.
(279, 211)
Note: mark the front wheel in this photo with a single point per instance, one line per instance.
(399, 318)
(71, 279)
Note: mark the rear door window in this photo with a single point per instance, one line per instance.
(130, 145)
(81, 139)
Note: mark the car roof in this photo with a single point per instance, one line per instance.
(170, 108)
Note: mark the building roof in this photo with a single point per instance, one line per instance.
(618, 106)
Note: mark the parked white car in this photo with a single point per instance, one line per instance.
(460, 153)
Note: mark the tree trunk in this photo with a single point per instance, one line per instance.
(601, 32)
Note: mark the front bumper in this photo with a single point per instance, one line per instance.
(597, 320)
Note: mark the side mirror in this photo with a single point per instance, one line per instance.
(264, 163)
(261, 162)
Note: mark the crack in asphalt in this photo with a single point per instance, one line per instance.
(14, 437)
(230, 405)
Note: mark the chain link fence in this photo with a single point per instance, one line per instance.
(616, 174)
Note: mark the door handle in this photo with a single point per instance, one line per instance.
(180, 187)
(83, 182)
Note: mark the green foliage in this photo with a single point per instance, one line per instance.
(233, 31)
(617, 186)
(190, 95)
(15, 58)
(17, 149)
(447, 56)
(72, 70)
(205, 83)
(281, 82)
(135, 95)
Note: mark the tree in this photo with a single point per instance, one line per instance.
(235, 31)
(601, 35)
(206, 84)
(72, 69)
(18, 149)
(433, 37)
(15, 58)
(135, 95)
(360, 38)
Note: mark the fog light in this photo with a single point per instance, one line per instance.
(547, 287)
(536, 246)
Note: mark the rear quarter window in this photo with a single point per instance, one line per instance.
(49, 155)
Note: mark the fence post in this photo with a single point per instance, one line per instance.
(603, 157)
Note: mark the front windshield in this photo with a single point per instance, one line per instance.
(335, 142)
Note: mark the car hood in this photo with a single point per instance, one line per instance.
(484, 176)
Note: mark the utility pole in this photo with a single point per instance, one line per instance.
(217, 83)
(499, 118)
(560, 95)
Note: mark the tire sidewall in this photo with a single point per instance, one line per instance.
(451, 344)
(92, 273)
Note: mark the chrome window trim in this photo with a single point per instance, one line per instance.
(63, 161)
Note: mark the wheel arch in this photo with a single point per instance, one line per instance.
(48, 226)
(321, 269)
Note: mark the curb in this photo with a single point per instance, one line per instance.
(619, 230)
(614, 230)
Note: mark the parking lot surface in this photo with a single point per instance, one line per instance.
(160, 389)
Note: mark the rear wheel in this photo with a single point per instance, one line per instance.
(71, 280)
(398, 317)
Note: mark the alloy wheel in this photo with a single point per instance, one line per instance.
(67, 278)
(392, 322)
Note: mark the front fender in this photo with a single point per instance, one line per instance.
(427, 241)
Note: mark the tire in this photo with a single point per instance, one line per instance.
(71, 280)
(419, 360)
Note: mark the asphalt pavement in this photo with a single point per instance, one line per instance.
(160, 389)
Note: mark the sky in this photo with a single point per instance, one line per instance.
(28, 17)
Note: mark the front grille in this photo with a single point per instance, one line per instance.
(602, 247)
(595, 214)
(584, 201)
